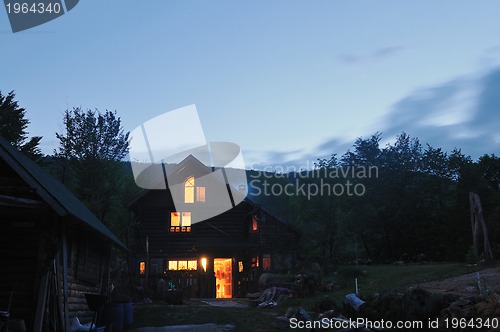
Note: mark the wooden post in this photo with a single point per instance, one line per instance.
(147, 268)
(40, 305)
(479, 226)
(65, 276)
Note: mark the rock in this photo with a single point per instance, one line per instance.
(490, 307)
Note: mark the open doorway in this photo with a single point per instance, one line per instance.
(223, 278)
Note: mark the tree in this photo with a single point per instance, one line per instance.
(479, 227)
(13, 124)
(90, 150)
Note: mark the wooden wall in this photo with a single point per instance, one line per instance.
(86, 267)
(29, 241)
(229, 229)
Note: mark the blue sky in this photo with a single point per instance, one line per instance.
(289, 81)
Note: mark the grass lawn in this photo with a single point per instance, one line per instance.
(377, 278)
(245, 319)
(371, 279)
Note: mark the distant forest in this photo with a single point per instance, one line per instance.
(402, 201)
(414, 207)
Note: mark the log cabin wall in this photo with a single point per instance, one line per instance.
(86, 270)
(228, 235)
(229, 229)
(52, 248)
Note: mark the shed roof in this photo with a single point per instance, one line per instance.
(53, 192)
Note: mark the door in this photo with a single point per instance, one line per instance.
(223, 278)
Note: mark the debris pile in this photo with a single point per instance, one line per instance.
(484, 306)
(270, 297)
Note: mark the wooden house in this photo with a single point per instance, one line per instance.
(221, 257)
(52, 248)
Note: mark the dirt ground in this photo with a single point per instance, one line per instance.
(466, 284)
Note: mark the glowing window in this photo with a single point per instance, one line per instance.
(172, 265)
(180, 222)
(142, 268)
(200, 194)
(266, 262)
(255, 225)
(255, 261)
(175, 219)
(189, 190)
(240, 266)
(186, 219)
(192, 265)
(183, 265)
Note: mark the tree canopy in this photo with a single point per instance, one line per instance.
(14, 124)
(416, 204)
(89, 158)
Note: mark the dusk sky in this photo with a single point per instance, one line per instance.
(289, 81)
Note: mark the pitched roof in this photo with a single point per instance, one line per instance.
(53, 192)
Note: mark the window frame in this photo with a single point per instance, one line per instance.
(182, 217)
(185, 261)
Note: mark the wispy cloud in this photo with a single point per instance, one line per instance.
(490, 57)
(349, 59)
(386, 52)
(462, 113)
(377, 55)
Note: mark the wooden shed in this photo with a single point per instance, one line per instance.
(221, 257)
(52, 248)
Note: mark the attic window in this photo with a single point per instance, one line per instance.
(200, 194)
(189, 190)
(180, 222)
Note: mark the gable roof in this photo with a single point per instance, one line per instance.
(53, 192)
(171, 170)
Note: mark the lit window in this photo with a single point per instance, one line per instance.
(240, 266)
(142, 268)
(255, 261)
(200, 194)
(254, 223)
(182, 265)
(192, 265)
(266, 262)
(175, 221)
(186, 219)
(189, 190)
(172, 265)
(180, 222)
